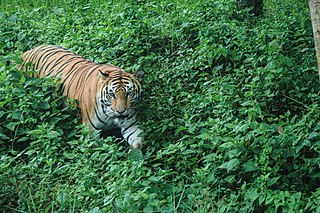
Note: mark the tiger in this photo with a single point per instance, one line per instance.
(105, 94)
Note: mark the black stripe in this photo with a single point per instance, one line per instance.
(91, 121)
(34, 53)
(48, 50)
(133, 123)
(44, 62)
(103, 106)
(56, 64)
(132, 115)
(64, 55)
(59, 69)
(71, 71)
(64, 63)
(127, 138)
(80, 84)
(47, 64)
(69, 61)
(83, 76)
(74, 77)
(44, 50)
(96, 113)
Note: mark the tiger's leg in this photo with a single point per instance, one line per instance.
(132, 133)
(89, 123)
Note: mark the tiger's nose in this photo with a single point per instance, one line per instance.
(121, 110)
(120, 103)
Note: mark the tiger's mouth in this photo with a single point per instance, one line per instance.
(122, 116)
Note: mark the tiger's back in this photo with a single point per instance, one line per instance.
(74, 71)
(106, 93)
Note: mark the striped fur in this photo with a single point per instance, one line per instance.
(106, 93)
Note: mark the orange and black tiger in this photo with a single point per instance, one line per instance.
(106, 94)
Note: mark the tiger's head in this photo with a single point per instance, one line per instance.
(120, 91)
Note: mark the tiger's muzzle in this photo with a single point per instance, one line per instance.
(120, 104)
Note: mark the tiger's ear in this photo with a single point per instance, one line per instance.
(138, 75)
(103, 75)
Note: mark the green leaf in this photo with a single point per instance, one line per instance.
(249, 166)
(188, 151)
(36, 132)
(181, 128)
(230, 165)
(18, 60)
(62, 198)
(261, 199)
(252, 194)
(23, 139)
(226, 145)
(303, 143)
(312, 135)
(45, 106)
(136, 155)
(3, 136)
(95, 210)
(53, 134)
(248, 94)
(17, 114)
(11, 125)
(12, 18)
(2, 103)
(269, 76)
(273, 180)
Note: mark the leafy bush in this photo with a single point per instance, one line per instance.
(230, 109)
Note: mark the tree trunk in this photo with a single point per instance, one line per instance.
(256, 5)
(315, 18)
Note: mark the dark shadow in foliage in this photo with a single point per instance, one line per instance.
(112, 132)
(255, 5)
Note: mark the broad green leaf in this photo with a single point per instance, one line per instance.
(230, 165)
(273, 180)
(53, 134)
(249, 166)
(2, 103)
(252, 194)
(3, 136)
(313, 135)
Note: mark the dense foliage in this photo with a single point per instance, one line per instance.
(230, 109)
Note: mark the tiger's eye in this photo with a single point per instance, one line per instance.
(111, 94)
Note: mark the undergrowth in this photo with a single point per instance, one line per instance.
(230, 109)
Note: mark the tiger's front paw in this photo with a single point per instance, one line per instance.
(136, 145)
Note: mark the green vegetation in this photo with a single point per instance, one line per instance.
(230, 109)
